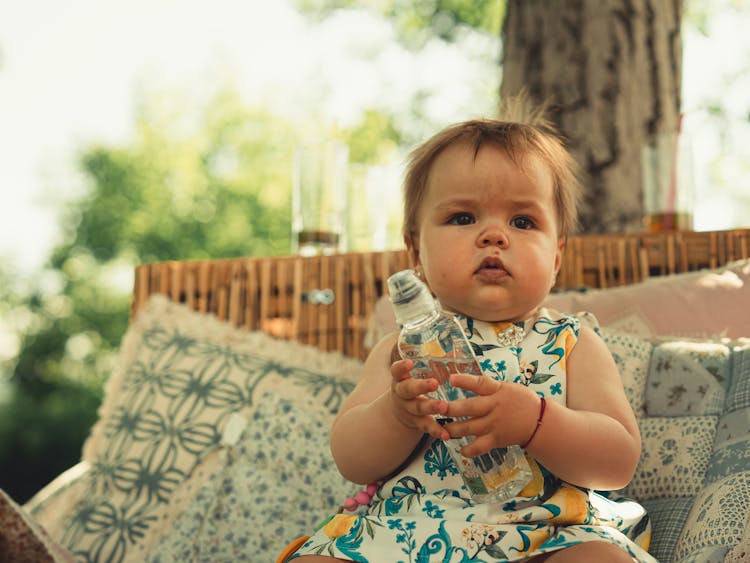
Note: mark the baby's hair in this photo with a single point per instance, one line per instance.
(520, 130)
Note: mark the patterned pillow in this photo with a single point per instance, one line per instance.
(632, 356)
(740, 553)
(694, 471)
(718, 515)
(278, 483)
(687, 377)
(674, 456)
(708, 554)
(668, 517)
(57, 497)
(181, 377)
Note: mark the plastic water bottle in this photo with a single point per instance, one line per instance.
(436, 344)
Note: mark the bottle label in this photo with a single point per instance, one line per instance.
(439, 351)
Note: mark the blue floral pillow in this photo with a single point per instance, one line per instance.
(182, 376)
(277, 483)
(694, 471)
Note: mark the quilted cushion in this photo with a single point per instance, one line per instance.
(687, 377)
(695, 425)
(181, 377)
(718, 515)
(675, 456)
(264, 495)
(162, 486)
(668, 516)
(632, 356)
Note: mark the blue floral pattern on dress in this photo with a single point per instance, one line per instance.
(425, 514)
(437, 460)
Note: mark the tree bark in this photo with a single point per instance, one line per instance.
(611, 70)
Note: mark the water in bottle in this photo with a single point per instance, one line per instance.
(435, 342)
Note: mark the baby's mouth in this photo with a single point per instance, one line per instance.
(492, 268)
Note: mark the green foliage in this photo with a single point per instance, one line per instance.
(214, 186)
(222, 190)
(374, 139)
(697, 13)
(41, 433)
(443, 18)
(419, 20)
(210, 183)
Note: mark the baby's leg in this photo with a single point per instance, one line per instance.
(319, 559)
(594, 552)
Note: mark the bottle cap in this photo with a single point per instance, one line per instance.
(403, 287)
(410, 296)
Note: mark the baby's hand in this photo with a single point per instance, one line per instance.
(411, 405)
(501, 414)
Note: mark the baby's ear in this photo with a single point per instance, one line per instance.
(412, 248)
(562, 241)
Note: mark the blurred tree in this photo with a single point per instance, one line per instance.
(210, 184)
(698, 13)
(469, 26)
(374, 139)
(192, 185)
(220, 188)
(612, 72)
(723, 113)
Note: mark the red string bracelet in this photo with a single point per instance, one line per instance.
(538, 422)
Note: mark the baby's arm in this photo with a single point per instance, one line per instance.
(383, 419)
(592, 442)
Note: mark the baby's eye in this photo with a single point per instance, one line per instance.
(462, 218)
(522, 222)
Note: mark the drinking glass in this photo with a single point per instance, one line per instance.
(319, 196)
(668, 183)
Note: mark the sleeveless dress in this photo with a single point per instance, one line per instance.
(424, 513)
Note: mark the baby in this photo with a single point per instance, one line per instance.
(488, 206)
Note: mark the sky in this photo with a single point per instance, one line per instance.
(69, 72)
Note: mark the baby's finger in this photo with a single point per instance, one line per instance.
(477, 384)
(471, 407)
(435, 429)
(478, 446)
(411, 388)
(423, 406)
(466, 427)
(400, 369)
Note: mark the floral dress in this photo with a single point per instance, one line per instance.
(424, 512)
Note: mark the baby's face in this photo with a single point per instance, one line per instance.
(487, 236)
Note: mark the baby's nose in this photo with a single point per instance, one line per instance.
(494, 236)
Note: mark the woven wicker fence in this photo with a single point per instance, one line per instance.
(327, 301)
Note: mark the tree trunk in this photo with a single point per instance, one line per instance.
(611, 70)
